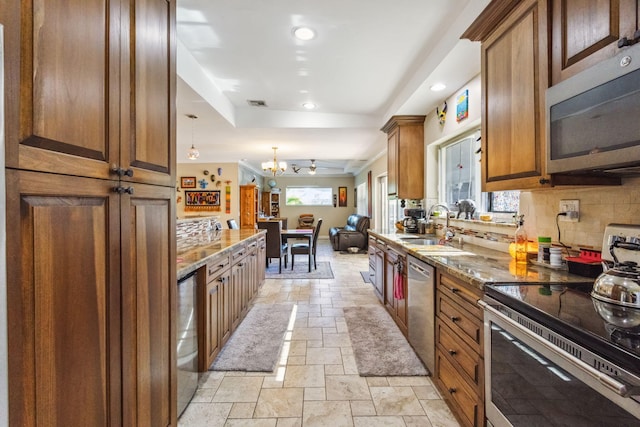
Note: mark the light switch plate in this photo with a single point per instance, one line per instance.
(572, 208)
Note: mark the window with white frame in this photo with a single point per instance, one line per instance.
(460, 177)
(309, 196)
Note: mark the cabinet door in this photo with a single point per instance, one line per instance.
(402, 311)
(148, 92)
(63, 86)
(63, 302)
(585, 32)
(379, 274)
(213, 317)
(148, 305)
(248, 206)
(392, 163)
(389, 271)
(514, 78)
(237, 273)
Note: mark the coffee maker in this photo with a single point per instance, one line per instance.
(410, 222)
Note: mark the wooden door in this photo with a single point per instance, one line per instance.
(248, 206)
(63, 265)
(514, 80)
(63, 86)
(148, 92)
(585, 32)
(148, 298)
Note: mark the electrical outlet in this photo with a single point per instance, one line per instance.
(572, 208)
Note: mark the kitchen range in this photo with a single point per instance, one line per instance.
(567, 354)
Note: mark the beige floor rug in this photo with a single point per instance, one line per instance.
(379, 347)
(255, 345)
(300, 271)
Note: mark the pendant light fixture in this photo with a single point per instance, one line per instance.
(193, 151)
(274, 166)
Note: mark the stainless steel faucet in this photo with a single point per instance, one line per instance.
(448, 232)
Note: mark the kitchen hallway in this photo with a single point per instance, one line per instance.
(316, 382)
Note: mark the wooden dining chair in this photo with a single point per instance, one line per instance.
(304, 248)
(276, 248)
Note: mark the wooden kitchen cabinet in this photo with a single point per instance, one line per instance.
(459, 348)
(249, 206)
(376, 266)
(398, 308)
(405, 157)
(514, 79)
(584, 33)
(211, 310)
(90, 157)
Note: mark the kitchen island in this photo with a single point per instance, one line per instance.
(230, 268)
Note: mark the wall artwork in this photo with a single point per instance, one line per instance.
(188, 181)
(462, 106)
(342, 197)
(202, 201)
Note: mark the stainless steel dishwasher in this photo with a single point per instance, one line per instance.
(422, 310)
(187, 340)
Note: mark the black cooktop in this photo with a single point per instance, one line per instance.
(570, 311)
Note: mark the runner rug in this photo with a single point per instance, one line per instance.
(379, 347)
(255, 345)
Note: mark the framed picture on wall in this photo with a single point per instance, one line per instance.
(342, 197)
(188, 181)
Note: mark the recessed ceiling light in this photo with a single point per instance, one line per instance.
(309, 105)
(438, 87)
(304, 33)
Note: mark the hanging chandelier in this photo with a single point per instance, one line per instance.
(274, 166)
(193, 152)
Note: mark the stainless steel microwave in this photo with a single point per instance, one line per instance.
(593, 118)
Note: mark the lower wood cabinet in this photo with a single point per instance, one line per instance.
(376, 267)
(396, 263)
(459, 348)
(229, 283)
(90, 302)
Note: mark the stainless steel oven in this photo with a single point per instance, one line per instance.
(536, 376)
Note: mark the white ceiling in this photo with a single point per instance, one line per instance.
(371, 59)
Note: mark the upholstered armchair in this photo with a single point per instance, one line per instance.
(305, 221)
(353, 234)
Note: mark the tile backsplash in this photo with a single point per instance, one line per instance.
(599, 206)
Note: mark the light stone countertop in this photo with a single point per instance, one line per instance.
(201, 250)
(477, 265)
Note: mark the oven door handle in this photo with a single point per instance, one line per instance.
(616, 386)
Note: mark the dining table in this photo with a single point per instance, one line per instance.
(299, 233)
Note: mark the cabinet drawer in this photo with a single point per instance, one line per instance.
(460, 321)
(462, 294)
(239, 253)
(467, 405)
(216, 266)
(464, 358)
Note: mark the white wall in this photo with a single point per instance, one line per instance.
(331, 217)
(229, 173)
(378, 168)
(435, 134)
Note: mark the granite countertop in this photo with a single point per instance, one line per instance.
(193, 253)
(477, 265)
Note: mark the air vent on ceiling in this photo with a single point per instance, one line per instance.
(256, 102)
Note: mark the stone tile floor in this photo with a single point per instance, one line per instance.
(316, 382)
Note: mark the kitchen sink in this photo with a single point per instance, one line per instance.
(420, 240)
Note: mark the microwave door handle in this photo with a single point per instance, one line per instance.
(616, 386)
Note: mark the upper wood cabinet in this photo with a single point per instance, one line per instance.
(585, 32)
(514, 80)
(405, 156)
(97, 88)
